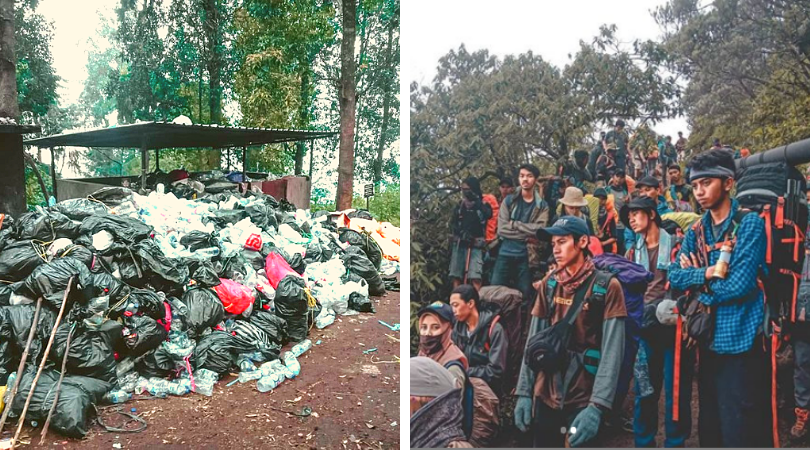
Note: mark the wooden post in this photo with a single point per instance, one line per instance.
(53, 174)
(244, 164)
(12, 175)
(311, 153)
(157, 160)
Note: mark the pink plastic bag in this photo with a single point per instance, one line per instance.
(234, 297)
(277, 268)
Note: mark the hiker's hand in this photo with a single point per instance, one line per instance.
(585, 426)
(536, 285)
(523, 413)
(709, 272)
(685, 262)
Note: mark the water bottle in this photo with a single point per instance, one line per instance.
(323, 321)
(118, 396)
(124, 367)
(270, 367)
(204, 380)
(270, 382)
(180, 387)
(301, 347)
(128, 382)
(244, 377)
(293, 368)
(208, 252)
(245, 364)
(158, 387)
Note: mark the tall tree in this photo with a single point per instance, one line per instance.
(387, 88)
(8, 61)
(348, 100)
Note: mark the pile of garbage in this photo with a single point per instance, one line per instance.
(159, 295)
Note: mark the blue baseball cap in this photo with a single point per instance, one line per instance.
(441, 309)
(564, 226)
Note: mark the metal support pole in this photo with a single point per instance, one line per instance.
(157, 160)
(144, 163)
(53, 175)
(311, 153)
(244, 164)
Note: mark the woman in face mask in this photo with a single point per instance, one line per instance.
(435, 329)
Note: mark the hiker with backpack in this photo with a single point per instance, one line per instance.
(618, 139)
(666, 364)
(606, 226)
(648, 187)
(574, 204)
(679, 194)
(720, 259)
(594, 155)
(668, 155)
(469, 228)
(479, 335)
(437, 414)
(620, 191)
(800, 341)
(520, 216)
(575, 347)
(435, 339)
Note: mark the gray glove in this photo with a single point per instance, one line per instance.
(664, 312)
(523, 413)
(585, 426)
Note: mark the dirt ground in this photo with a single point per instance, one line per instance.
(354, 398)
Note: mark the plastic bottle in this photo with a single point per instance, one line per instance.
(204, 381)
(721, 267)
(209, 252)
(270, 382)
(244, 377)
(323, 321)
(245, 364)
(118, 396)
(292, 367)
(301, 347)
(271, 366)
(158, 387)
(124, 367)
(180, 387)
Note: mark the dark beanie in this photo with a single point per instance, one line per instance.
(474, 185)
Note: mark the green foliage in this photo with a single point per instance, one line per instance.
(36, 78)
(33, 192)
(385, 206)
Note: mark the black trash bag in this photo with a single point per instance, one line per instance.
(196, 240)
(273, 325)
(215, 351)
(114, 332)
(361, 214)
(360, 303)
(183, 190)
(223, 217)
(50, 281)
(291, 305)
(290, 220)
(262, 215)
(296, 262)
(122, 228)
(317, 253)
(91, 352)
(350, 276)
(112, 195)
(80, 252)
(229, 267)
(142, 333)
(286, 206)
(156, 363)
(6, 290)
(204, 310)
(248, 338)
(15, 325)
(218, 186)
(80, 208)
(254, 258)
(163, 273)
(320, 213)
(202, 272)
(106, 284)
(74, 410)
(18, 259)
(363, 242)
(356, 262)
(313, 312)
(7, 222)
(142, 302)
(47, 226)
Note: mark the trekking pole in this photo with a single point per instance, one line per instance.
(21, 366)
(467, 264)
(41, 364)
(58, 385)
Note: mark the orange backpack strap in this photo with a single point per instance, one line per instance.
(676, 380)
(774, 418)
(491, 327)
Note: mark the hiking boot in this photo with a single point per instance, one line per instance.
(799, 429)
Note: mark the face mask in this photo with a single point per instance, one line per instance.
(430, 344)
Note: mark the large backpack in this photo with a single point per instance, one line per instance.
(480, 406)
(509, 300)
(776, 191)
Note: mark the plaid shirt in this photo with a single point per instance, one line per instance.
(738, 300)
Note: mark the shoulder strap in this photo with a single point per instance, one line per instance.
(467, 403)
(581, 298)
(600, 285)
(489, 335)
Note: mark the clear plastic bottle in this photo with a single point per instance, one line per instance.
(118, 396)
(324, 320)
(270, 382)
(180, 387)
(245, 364)
(124, 367)
(244, 377)
(271, 366)
(204, 381)
(293, 368)
(158, 387)
(301, 347)
(208, 252)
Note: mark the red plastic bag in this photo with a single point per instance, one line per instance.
(234, 297)
(277, 268)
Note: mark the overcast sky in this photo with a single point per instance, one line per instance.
(551, 29)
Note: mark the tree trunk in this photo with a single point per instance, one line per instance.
(213, 34)
(303, 117)
(347, 107)
(8, 62)
(386, 103)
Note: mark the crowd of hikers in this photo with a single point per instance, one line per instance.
(573, 288)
